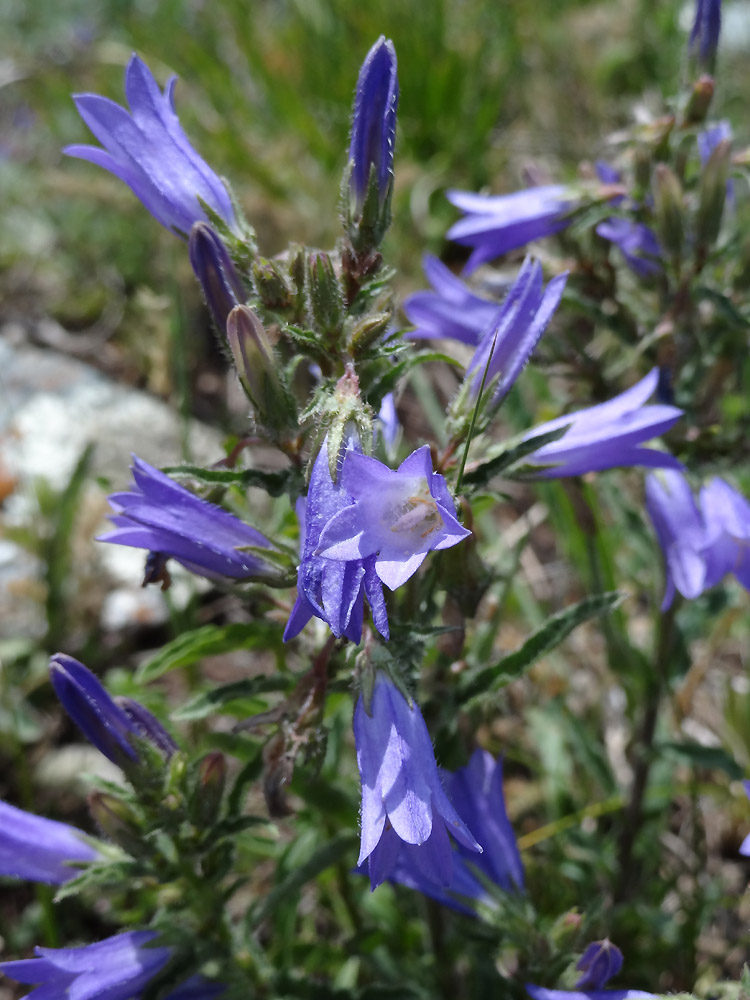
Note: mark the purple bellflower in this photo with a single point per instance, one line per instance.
(160, 515)
(726, 514)
(42, 850)
(599, 963)
(452, 310)
(373, 135)
(681, 533)
(109, 726)
(476, 793)
(398, 516)
(636, 242)
(405, 810)
(213, 267)
(332, 589)
(607, 435)
(704, 36)
(494, 225)
(148, 150)
(118, 968)
(745, 845)
(507, 344)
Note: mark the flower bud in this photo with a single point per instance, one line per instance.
(257, 369)
(325, 296)
(368, 180)
(713, 193)
(147, 726)
(272, 284)
(668, 207)
(117, 820)
(367, 332)
(209, 789)
(222, 287)
(699, 100)
(599, 963)
(704, 37)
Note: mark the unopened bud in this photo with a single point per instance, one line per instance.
(699, 101)
(272, 284)
(668, 207)
(367, 332)
(325, 296)
(213, 267)
(599, 963)
(209, 789)
(117, 820)
(147, 726)
(713, 194)
(257, 369)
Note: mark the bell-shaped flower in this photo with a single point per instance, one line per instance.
(405, 810)
(397, 516)
(636, 242)
(495, 224)
(607, 435)
(118, 968)
(332, 588)
(112, 728)
(39, 849)
(726, 514)
(148, 150)
(452, 310)
(160, 515)
(599, 963)
(681, 532)
(507, 344)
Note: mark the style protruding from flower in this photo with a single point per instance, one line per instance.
(599, 963)
(396, 516)
(148, 150)
(332, 589)
(607, 436)
(109, 726)
(507, 344)
(118, 968)
(405, 810)
(213, 267)
(495, 224)
(161, 516)
(704, 36)
(39, 849)
(702, 542)
(369, 177)
(451, 311)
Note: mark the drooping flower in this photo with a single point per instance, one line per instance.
(331, 588)
(608, 435)
(109, 726)
(704, 36)
(726, 514)
(373, 134)
(507, 344)
(452, 310)
(494, 225)
(637, 243)
(160, 515)
(397, 516)
(147, 149)
(405, 810)
(681, 532)
(118, 968)
(39, 849)
(599, 963)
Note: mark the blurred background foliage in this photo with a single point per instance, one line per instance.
(492, 93)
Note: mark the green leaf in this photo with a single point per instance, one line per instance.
(710, 758)
(512, 453)
(210, 640)
(274, 483)
(546, 637)
(329, 854)
(215, 698)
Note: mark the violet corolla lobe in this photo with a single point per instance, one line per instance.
(451, 310)
(148, 150)
(607, 435)
(332, 588)
(160, 515)
(405, 809)
(40, 849)
(396, 515)
(599, 963)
